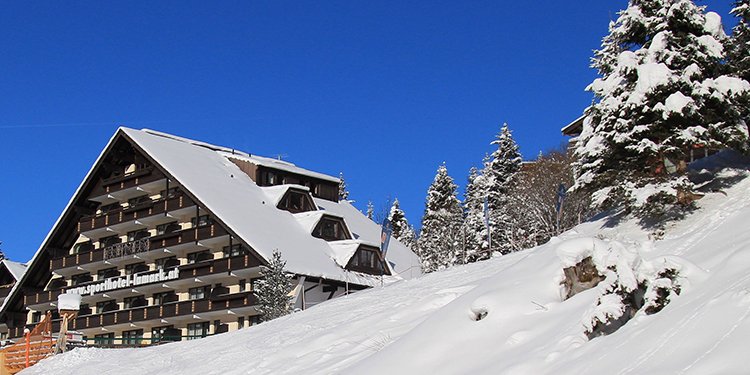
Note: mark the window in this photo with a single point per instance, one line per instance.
(137, 234)
(331, 229)
(167, 228)
(167, 263)
(132, 302)
(132, 202)
(200, 221)
(159, 334)
(36, 316)
(135, 268)
(165, 297)
(132, 337)
(109, 207)
(107, 273)
(171, 193)
(82, 247)
(105, 339)
(197, 293)
(81, 278)
(109, 241)
(197, 330)
(296, 201)
(104, 306)
(199, 256)
(241, 322)
(367, 260)
(242, 285)
(255, 319)
(234, 250)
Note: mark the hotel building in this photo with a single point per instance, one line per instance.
(166, 236)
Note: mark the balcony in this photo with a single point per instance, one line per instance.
(188, 272)
(167, 310)
(97, 225)
(120, 250)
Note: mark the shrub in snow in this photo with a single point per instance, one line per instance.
(626, 283)
(662, 94)
(661, 289)
(273, 289)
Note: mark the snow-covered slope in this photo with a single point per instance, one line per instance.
(428, 325)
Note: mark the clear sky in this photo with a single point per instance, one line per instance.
(383, 91)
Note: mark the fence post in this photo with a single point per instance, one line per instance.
(28, 346)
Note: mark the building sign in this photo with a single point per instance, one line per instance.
(126, 281)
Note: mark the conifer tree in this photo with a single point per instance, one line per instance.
(441, 224)
(402, 230)
(370, 210)
(738, 47)
(343, 192)
(475, 230)
(660, 96)
(273, 289)
(499, 173)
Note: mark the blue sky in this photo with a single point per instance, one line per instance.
(383, 91)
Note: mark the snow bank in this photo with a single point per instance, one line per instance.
(502, 316)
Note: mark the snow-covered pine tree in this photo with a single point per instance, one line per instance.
(441, 223)
(499, 173)
(738, 57)
(660, 96)
(402, 230)
(273, 289)
(343, 192)
(475, 230)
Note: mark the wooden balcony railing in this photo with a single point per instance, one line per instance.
(145, 209)
(153, 243)
(187, 271)
(128, 180)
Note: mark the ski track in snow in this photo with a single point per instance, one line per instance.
(678, 327)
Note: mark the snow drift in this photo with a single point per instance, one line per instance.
(503, 316)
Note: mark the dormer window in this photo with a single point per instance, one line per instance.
(331, 229)
(296, 201)
(368, 260)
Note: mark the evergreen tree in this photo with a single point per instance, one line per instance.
(402, 230)
(370, 210)
(475, 230)
(343, 192)
(499, 173)
(2, 254)
(273, 290)
(441, 224)
(738, 46)
(660, 96)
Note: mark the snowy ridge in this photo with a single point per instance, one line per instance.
(502, 316)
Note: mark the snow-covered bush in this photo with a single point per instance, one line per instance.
(626, 282)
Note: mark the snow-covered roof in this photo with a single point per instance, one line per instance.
(574, 127)
(247, 209)
(279, 164)
(276, 192)
(16, 269)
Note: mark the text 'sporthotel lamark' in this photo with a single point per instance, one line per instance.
(166, 236)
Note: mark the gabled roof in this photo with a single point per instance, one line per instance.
(16, 269)
(246, 209)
